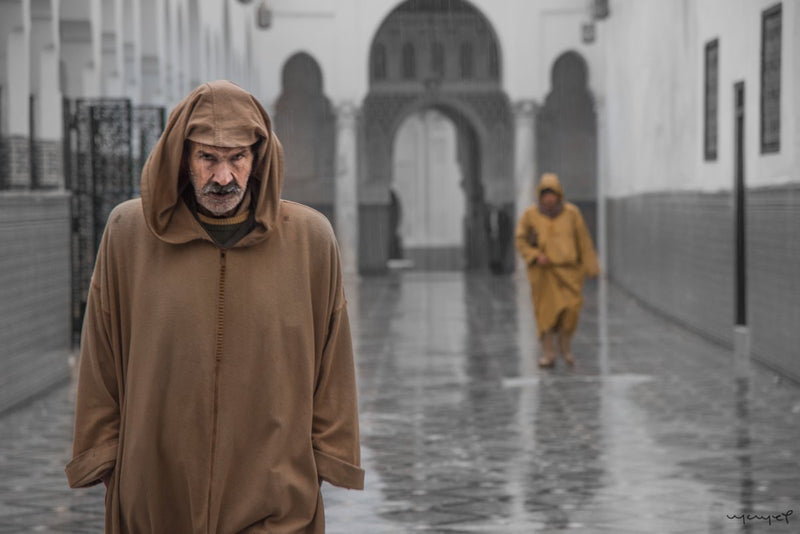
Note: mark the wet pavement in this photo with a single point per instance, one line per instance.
(651, 432)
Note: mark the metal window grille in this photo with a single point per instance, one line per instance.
(711, 100)
(771, 79)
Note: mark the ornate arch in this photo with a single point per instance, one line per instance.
(476, 103)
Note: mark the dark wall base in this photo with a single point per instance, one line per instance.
(35, 293)
(373, 238)
(773, 276)
(675, 252)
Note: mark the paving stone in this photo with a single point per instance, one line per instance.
(462, 433)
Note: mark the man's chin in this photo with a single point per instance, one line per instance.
(219, 208)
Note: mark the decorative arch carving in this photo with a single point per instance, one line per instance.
(476, 104)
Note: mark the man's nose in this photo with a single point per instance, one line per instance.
(225, 174)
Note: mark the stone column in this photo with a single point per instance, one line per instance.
(346, 195)
(601, 112)
(46, 157)
(16, 150)
(524, 154)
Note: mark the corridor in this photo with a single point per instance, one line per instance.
(461, 433)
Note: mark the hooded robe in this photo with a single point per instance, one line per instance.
(556, 288)
(216, 385)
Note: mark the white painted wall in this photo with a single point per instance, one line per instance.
(737, 24)
(653, 94)
(645, 68)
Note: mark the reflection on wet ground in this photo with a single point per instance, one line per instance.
(651, 432)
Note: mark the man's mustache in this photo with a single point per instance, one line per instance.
(216, 189)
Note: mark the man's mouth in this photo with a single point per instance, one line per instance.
(221, 191)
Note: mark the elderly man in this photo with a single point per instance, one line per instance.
(216, 388)
(556, 246)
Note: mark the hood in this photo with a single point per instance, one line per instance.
(221, 114)
(550, 180)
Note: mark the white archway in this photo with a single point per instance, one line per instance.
(427, 182)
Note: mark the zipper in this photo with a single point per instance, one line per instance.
(218, 339)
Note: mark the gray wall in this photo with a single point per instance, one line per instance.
(773, 233)
(675, 252)
(35, 293)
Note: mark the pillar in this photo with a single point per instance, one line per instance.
(16, 145)
(524, 154)
(46, 158)
(601, 112)
(346, 195)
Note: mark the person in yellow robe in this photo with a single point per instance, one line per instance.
(553, 240)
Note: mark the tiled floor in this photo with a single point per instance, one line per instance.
(461, 433)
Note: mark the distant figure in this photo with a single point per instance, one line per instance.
(553, 240)
(395, 218)
(498, 227)
(216, 388)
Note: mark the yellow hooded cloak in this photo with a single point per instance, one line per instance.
(556, 288)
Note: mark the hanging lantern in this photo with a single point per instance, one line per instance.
(264, 16)
(587, 32)
(601, 9)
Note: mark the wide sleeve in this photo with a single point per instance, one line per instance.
(586, 248)
(97, 407)
(525, 239)
(335, 436)
(335, 429)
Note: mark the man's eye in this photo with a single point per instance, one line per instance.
(238, 156)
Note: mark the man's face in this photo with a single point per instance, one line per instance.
(219, 176)
(548, 200)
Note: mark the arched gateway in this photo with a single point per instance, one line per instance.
(439, 55)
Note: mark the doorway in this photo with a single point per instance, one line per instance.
(427, 183)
